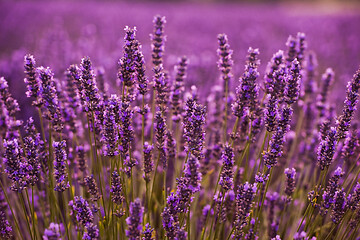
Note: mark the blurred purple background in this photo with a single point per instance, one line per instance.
(60, 33)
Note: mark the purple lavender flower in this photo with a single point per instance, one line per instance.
(15, 166)
(160, 130)
(134, 220)
(292, 51)
(290, 181)
(302, 46)
(194, 121)
(109, 130)
(251, 235)
(177, 91)
(350, 146)
(158, 40)
(244, 199)
(273, 66)
(140, 72)
(90, 92)
(225, 62)
(161, 86)
(60, 165)
(32, 143)
(75, 73)
(32, 82)
(148, 162)
(311, 65)
(354, 201)
(50, 99)
(327, 79)
(192, 173)
(10, 103)
(227, 174)
(92, 187)
(116, 188)
(340, 206)
(293, 79)
(82, 209)
(352, 98)
(326, 149)
(271, 114)
(169, 224)
(127, 69)
(148, 232)
(184, 194)
(80, 158)
(72, 91)
(181, 234)
(248, 90)
(53, 232)
(92, 232)
(5, 228)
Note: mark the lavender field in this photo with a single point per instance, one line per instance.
(160, 120)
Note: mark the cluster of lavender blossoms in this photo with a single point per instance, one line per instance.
(156, 157)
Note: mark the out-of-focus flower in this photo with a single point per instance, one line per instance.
(134, 220)
(60, 165)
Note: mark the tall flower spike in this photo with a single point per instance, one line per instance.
(271, 114)
(10, 103)
(293, 78)
(161, 86)
(84, 214)
(127, 67)
(134, 220)
(116, 188)
(177, 93)
(331, 188)
(72, 92)
(225, 62)
(50, 99)
(109, 130)
(227, 174)
(247, 92)
(15, 167)
(160, 130)
(273, 66)
(32, 82)
(92, 187)
(60, 165)
(148, 232)
(5, 228)
(32, 142)
(148, 162)
(126, 130)
(292, 51)
(90, 91)
(326, 149)
(192, 173)
(158, 40)
(290, 181)
(302, 46)
(340, 206)
(75, 73)
(311, 65)
(140, 72)
(327, 79)
(352, 98)
(244, 200)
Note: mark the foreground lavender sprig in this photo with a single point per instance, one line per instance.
(226, 177)
(5, 228)
(109, 130)
(60, 166)
(134, 220)
(32, 145)
(352, 98)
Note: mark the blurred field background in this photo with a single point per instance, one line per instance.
(60, 33)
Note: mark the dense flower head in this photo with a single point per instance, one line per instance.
(127, 67)
(184, 194)
(74, 73)
(271, 114)
(158, 40)
(148, 232)
(178, 89)
(194, 121)
(244, 198)
(109, 129)
(351, 144)
(326, 149)
(60, 166)
(311, 84)
(15, 166)
(90, 91)
(90, 182)
(160, 129)
(169, 224)
(53, 232)
(80, 158)
(32, 142)
(270, 80)
(301, 47)
(92, 232)
(126, 130)
(248, 90)
(82, 209)
(331, 188)
(292, 51)
(290, 181)
(161, 86)
(32, 82)
(49, 98)
(148, 162)
(225, 62)
(293, 79)
(72, 91)
(227, 173)
(11, 105)
(352, 98)
(340, 206)
(141, 78)
(116, 188)
(5, 227)
(134, 220)
(327, 79)
(354, 201)
(192, 172)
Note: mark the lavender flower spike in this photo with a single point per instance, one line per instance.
(192, 173)
(60, 165)
(352, 98)
(134, 220)
(109, 130)
(326, 149)
(116, 188)
(10, 103)
(148, 162)
(290, 181)
(5, 228)
(158, 39)
(127, 62)
(53, 232)
(293, 78)
(148, 232)
(227, 174)
(225, 62)
(33, 84)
